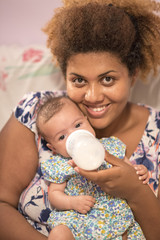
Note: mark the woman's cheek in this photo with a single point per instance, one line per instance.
(70, 89)
(74, 93)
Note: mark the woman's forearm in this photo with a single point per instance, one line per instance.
(146, 209)
(13, 226)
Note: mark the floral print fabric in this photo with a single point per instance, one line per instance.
(33, 203)
(109, 218)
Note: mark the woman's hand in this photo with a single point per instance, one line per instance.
(120, 181)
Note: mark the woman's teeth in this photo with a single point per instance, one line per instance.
(98, 109)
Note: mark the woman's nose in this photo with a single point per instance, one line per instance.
(94, 94)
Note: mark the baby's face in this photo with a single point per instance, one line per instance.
(60, 126)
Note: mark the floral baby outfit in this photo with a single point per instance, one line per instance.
(109, 218)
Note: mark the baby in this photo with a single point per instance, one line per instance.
(81, 209)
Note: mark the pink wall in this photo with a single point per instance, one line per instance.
(21, 20)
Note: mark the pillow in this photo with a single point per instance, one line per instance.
(22, 70)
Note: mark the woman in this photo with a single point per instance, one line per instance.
(101, 48)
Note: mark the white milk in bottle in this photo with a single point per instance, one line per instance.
(85, 149)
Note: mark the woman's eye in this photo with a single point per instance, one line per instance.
(62, 137)
(78, 125)
(108, 80)
(79, 81)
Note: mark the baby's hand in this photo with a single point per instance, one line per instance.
(82, 203)
(71, 163)
(142, 171)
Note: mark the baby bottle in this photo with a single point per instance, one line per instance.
(85, 149)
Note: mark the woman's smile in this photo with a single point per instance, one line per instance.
(96, 111)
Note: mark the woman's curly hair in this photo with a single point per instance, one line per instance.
(130, 29)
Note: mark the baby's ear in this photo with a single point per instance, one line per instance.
(51, 148)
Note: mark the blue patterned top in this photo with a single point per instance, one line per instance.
(33, 203)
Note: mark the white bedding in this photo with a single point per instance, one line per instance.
(25, 69)
(30, 68)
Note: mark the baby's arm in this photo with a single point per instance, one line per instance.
(141, 170)
(61, 201)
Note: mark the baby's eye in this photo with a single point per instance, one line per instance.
(78, 125)
(61, 137)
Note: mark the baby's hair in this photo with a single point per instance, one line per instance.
(48, 108)
(130, 29)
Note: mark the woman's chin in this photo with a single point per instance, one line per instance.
(98, 124)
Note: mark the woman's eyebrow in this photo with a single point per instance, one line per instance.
(102, 74)
(72, 73)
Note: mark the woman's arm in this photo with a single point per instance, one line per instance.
(18, 164)
(61, 201)
(122, 181)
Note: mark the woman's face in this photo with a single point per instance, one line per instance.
(101, 85)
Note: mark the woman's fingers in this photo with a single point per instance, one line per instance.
(95, 176)
(102, 175)
(114, 161)
(113, 180)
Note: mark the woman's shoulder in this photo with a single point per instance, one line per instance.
(26, 110)
(148, 148)
(34, 99)
(143, 127)
(151, 114)
(153, 117)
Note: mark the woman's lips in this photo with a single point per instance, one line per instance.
(97, 112)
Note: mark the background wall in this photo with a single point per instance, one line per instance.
(21, 20)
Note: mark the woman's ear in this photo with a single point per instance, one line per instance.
(51, 148)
